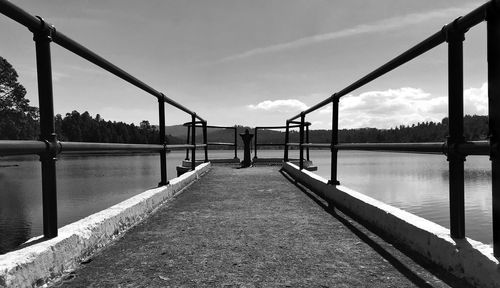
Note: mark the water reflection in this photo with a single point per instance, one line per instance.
(86, 184)
(19, 196)
(417, 183)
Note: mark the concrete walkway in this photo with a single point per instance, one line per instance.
(248, 228)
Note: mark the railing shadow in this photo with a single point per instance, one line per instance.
(363, 233)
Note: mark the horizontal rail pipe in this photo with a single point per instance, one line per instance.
(21, 147)
(36, 24)
(48, 148)
(281, 127)
(86, 146)
(463, 23)
(395, 147)
(271, 144)
(179, 146)
(220, 144)
(318, 145)
(189, 124)
(467, 148)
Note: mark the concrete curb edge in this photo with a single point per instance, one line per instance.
(35, 264)
(467, 259)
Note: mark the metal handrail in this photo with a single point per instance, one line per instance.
(49, 147)
(203, 125)
(455, 147)
(256, 133)
(461, 24)
(39, 25)
(466, 148)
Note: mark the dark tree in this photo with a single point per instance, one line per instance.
(18, 120)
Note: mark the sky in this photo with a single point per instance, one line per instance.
(252, 63)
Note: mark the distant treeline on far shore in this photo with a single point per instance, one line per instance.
(19, 121)
(85, 128)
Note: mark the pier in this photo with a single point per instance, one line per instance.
(268, 223)
(249, 228)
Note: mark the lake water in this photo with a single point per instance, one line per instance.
(417, 183)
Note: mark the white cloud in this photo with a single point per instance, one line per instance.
(404, 106)
(375, 27)
(288, 105)
(381, 109)
(476, 100)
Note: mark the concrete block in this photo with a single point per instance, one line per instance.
(467, 259)
(35, 264)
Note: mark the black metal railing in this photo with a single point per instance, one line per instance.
(455, 147)
(48, 147)
(283, 144)
(189, 138)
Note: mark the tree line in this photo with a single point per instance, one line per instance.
(19, 121)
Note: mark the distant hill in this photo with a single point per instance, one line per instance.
(177, 131)
(475, 128)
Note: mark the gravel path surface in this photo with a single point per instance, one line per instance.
(248, 228)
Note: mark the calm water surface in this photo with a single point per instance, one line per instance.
(417, 183)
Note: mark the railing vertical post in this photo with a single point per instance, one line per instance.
(42, 40)
(255, 142)
(188, 141)
(205, 140)
(493, 36)
(307, 141)
(163, 153)
(334, 141)
(456, 160)
(235, 142)
(287, 139)
(193, 141)
(301, 141)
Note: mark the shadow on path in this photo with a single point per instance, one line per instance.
(369, 239)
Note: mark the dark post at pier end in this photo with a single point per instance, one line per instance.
(247, 138)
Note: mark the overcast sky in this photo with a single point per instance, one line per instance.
(252, 63)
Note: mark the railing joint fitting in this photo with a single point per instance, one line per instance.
(52, 148)
(334, 98)
(59, 147)
(451, 148)
(162, 97)
(45, 32)
(453, 33)
(493, 147)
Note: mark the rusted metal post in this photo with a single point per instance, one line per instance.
(193, 141)
(162, 141)
(42, 40)
(456, 160)
(205, 140)
(334, 141)
(187, 142)
(493, 36)
(301, 141)
(307, 141)
(235, 142)
(255, 143)
(287, 139)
